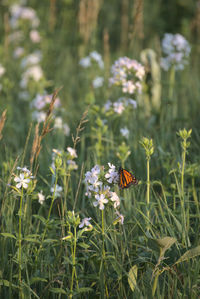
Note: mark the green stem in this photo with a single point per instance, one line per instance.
(148, 192)
(171, 82)
(49, 214)
(74, 263)
(103, 240)
(183, 171)
(20, 239)
(182, 191)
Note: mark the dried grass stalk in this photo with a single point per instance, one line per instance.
(87, 17)
(2, 122)
(36, 148)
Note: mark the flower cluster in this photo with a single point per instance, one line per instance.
(24, 178)
(120, 105)
(98, 184)
(97, 82)
(93, 57)
(32, 69)
(176, 49)
(128, 74)
(21, 13)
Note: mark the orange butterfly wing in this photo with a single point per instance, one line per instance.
(126, 179)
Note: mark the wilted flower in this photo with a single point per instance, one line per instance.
(25, 170)
(72, 152)
(176, 49)
(120, 217)
(41, 198)
(72, 165)
(85, 222)
(115, 198)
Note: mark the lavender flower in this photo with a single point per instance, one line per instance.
(85, 222)
(112, 175)
(128, 74)
(176, 49)
(100, 201)
(98, 189)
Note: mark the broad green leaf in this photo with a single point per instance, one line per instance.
(189, 254)
(132, 277)
(165, 243)
(8, 235)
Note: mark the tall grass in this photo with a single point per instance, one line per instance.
(44, 250)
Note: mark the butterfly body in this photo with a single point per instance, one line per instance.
(126, 178)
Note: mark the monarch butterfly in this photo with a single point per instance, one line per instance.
(126, 179)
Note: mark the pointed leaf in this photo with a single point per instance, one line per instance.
(189, 254)
(8, 235)
(58, 291)
(132, 277)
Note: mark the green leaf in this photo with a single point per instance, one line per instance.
(165, 243)
(42, 219)
(7, 283)
(36, 279)
(155, 283)
(50, 240)
(83, 245)
(132, 277)
(189, 254)
(58, 291)
(83, 290)
(8, 235)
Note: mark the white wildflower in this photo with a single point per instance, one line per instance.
(72, 152)
(21, 181)
(41, 198)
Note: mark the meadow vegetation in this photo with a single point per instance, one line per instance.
(87, 87)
